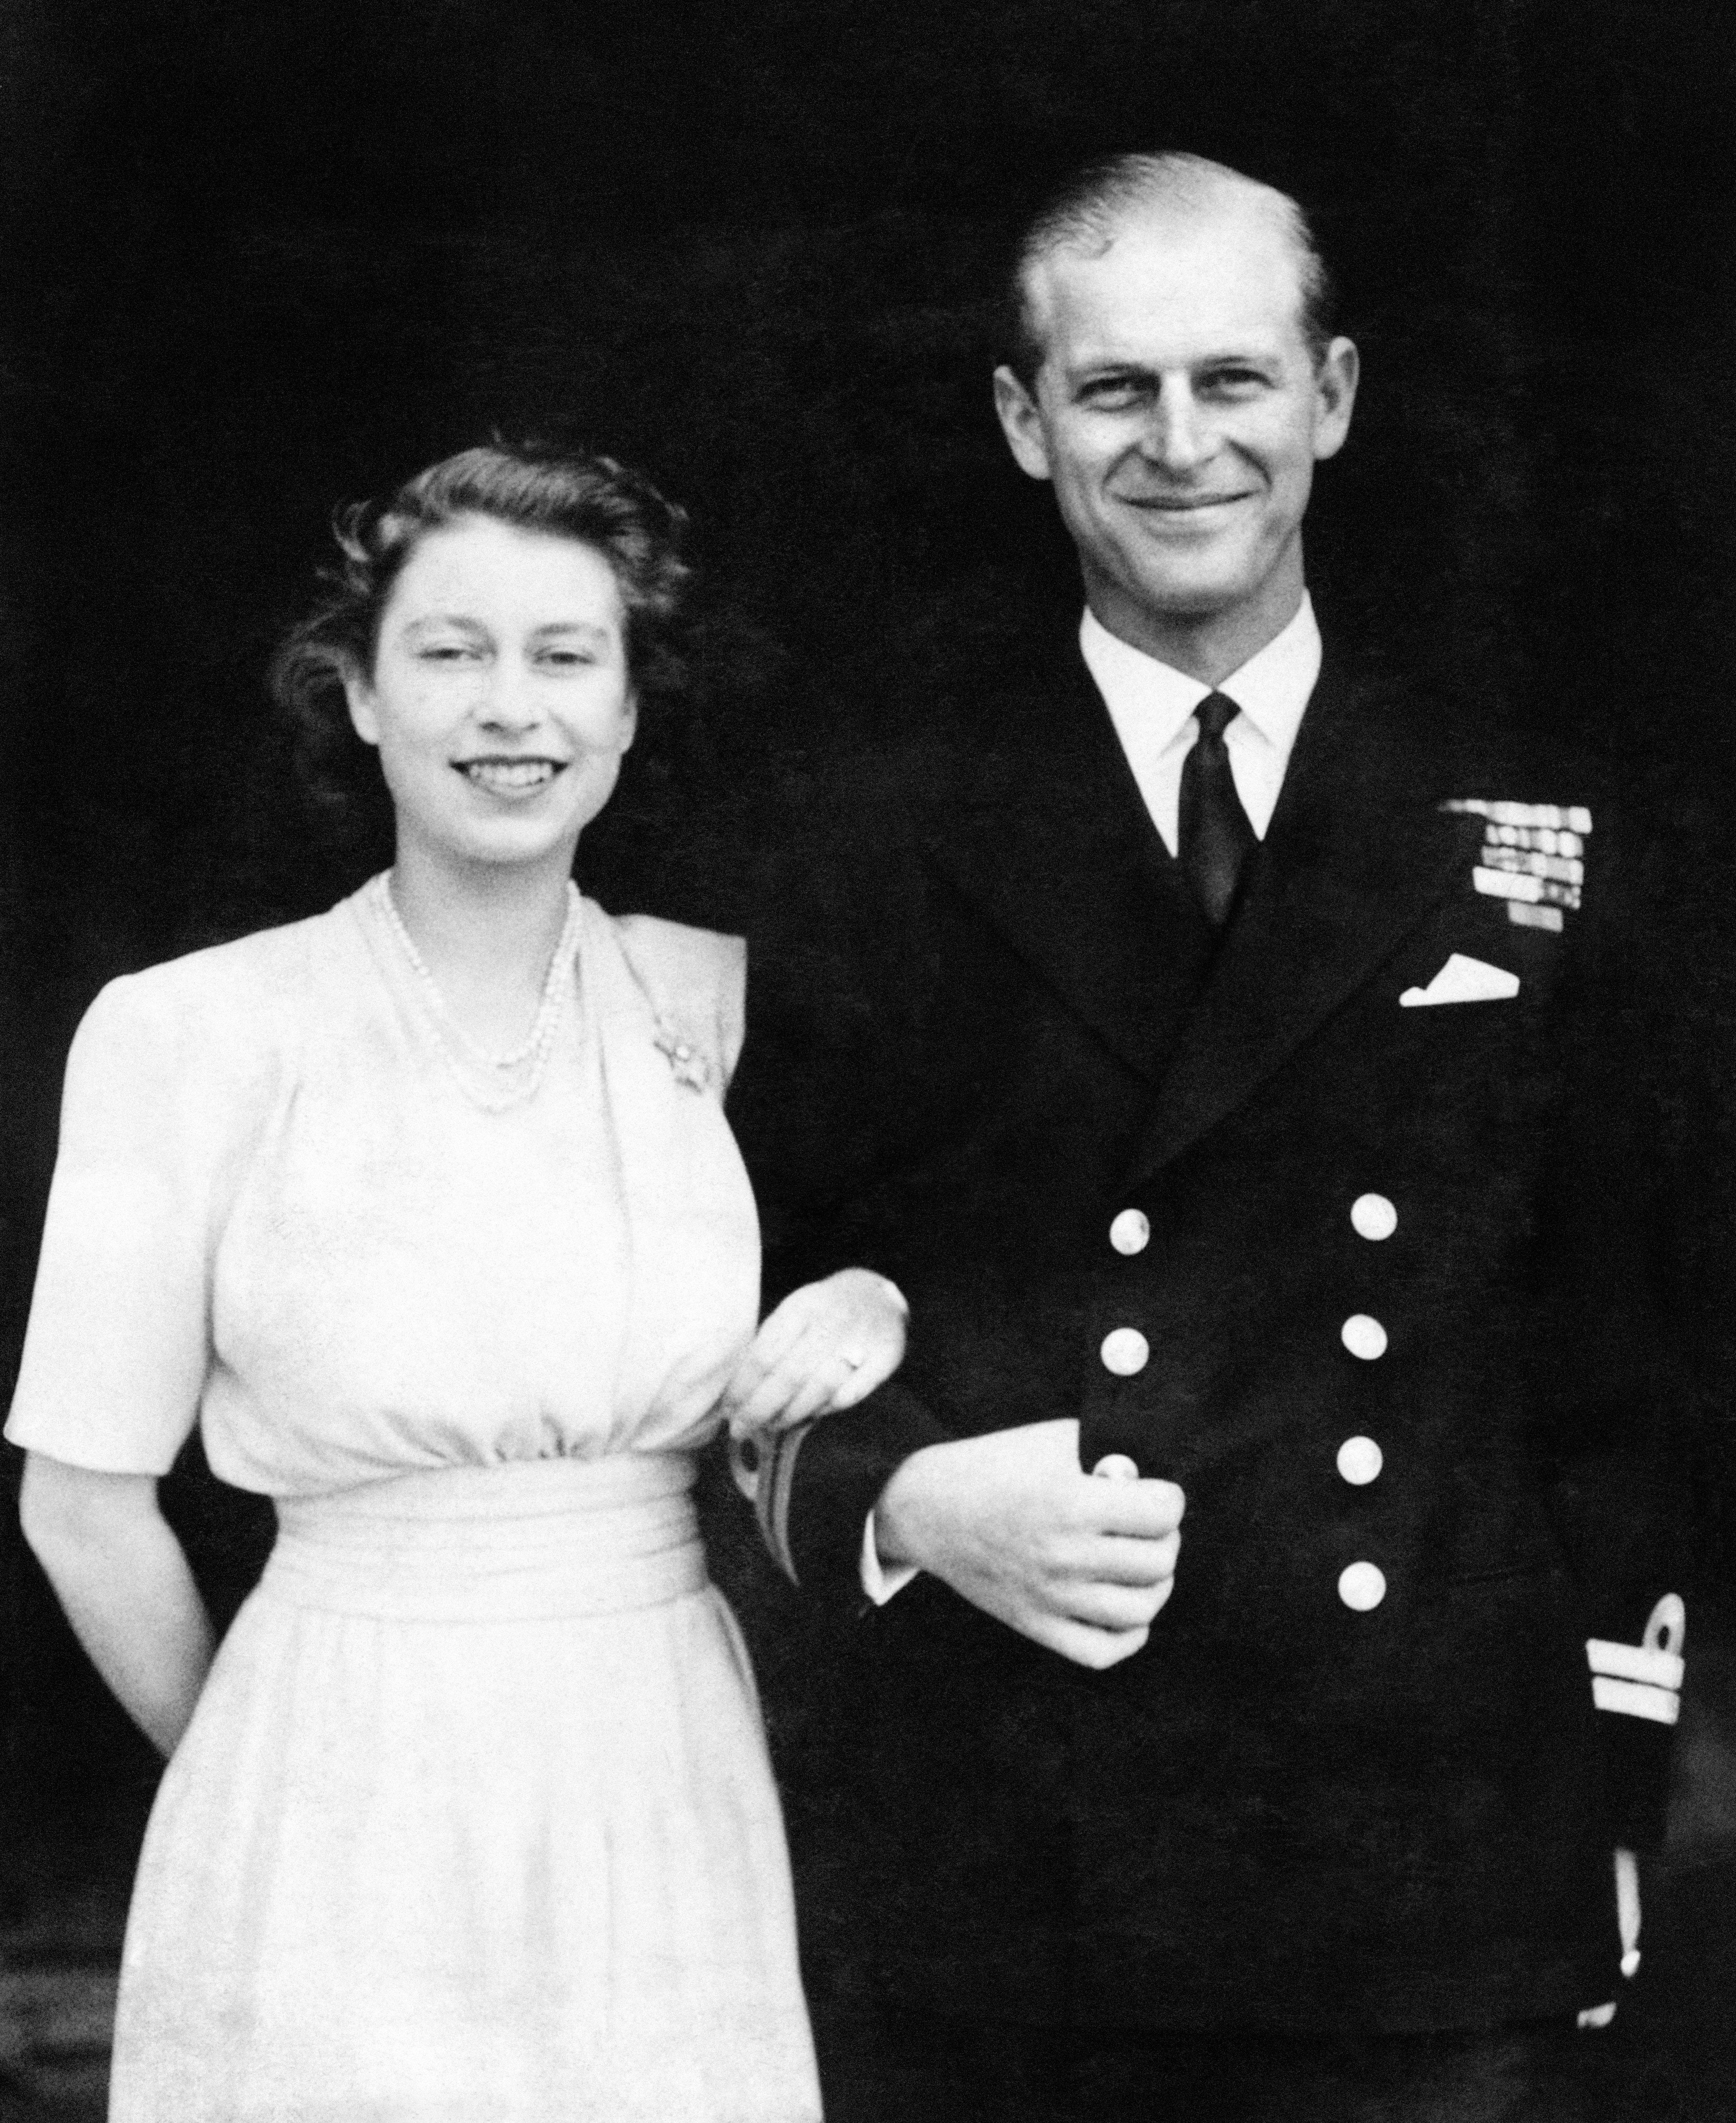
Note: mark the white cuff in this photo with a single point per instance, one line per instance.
(879, 1583)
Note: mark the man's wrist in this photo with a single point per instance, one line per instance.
(897, 1512)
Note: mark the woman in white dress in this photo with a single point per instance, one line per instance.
(427, 1211)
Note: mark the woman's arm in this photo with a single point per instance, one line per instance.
(123, 1581)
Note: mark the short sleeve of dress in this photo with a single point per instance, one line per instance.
(697, 982)
(118, 1346)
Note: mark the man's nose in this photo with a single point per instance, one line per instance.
(1177, 435)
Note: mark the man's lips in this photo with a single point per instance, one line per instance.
(1181, 505)
(507, 776)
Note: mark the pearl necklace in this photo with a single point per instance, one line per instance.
(459, 1051)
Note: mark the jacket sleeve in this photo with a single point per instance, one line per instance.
(1616, 1399)
(834, 1095)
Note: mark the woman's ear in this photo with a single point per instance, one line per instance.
(630, 721)
(364, 717)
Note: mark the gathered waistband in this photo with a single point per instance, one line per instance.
(516, 1541)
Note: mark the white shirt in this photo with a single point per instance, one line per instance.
(1151, 706)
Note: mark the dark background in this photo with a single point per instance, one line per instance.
(260, 258)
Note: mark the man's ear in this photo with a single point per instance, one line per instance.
(1021, 424)
(1335, 396)
(364, 719)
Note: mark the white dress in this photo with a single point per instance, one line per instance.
(474, 1820)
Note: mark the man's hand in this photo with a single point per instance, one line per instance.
(1078, 1564)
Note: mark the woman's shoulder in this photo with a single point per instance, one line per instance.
(704, 956)
(696, 978)
(221, 1002)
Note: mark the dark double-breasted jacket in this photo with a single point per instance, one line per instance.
(1343, 1222)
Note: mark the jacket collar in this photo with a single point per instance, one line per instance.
(1357, 854)
(1052, 839)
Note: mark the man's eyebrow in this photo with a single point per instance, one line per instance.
(1108, 369)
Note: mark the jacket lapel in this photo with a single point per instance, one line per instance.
(1358, 853)
(1054, 843)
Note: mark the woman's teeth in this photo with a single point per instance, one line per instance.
(510, 774)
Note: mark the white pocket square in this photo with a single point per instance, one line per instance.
(1463, 980)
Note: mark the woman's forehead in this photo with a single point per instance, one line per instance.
(481, 566)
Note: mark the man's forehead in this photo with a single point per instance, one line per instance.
(1171, 288)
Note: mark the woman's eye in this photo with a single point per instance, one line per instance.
(446, 652)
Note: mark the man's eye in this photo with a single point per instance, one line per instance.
(1114, 394)
(1234, 382)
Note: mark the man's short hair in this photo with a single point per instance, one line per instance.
(1087, 210)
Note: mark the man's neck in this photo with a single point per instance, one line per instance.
(1206, 646)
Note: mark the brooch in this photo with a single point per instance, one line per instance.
(1531, 857)
(687, 1064)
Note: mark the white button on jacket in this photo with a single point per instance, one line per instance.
(1364, 1336)
(1360, 1460)
(1126, 1351)
(1373, 1216)
(1362, 1585)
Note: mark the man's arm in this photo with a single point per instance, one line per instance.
(1007, 1520)
(1609, 1220)
(856, 1076)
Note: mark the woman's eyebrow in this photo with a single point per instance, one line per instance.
(424, 619)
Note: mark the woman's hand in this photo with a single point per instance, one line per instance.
(826, 1346)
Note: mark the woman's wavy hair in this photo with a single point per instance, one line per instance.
(562, 493)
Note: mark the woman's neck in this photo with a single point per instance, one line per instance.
(486, 933)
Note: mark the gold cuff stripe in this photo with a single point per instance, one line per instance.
(1662, 1706)
(1657, 1669)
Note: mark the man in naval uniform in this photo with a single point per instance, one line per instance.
(1228, 1054)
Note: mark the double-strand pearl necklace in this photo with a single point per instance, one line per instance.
(511, 1078)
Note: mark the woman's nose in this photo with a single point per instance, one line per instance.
(509, 699)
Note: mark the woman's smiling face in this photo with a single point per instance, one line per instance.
(500, 700)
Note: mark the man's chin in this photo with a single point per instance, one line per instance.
(1189, 595)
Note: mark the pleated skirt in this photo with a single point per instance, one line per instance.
(474, 1824)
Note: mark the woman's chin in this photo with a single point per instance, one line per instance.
(506, 844)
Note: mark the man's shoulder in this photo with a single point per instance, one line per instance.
(1541, 816)
(1459, 737)
(955, 728)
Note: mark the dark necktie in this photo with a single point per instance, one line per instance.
(1215, 836)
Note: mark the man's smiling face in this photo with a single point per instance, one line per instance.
(1180, 412)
